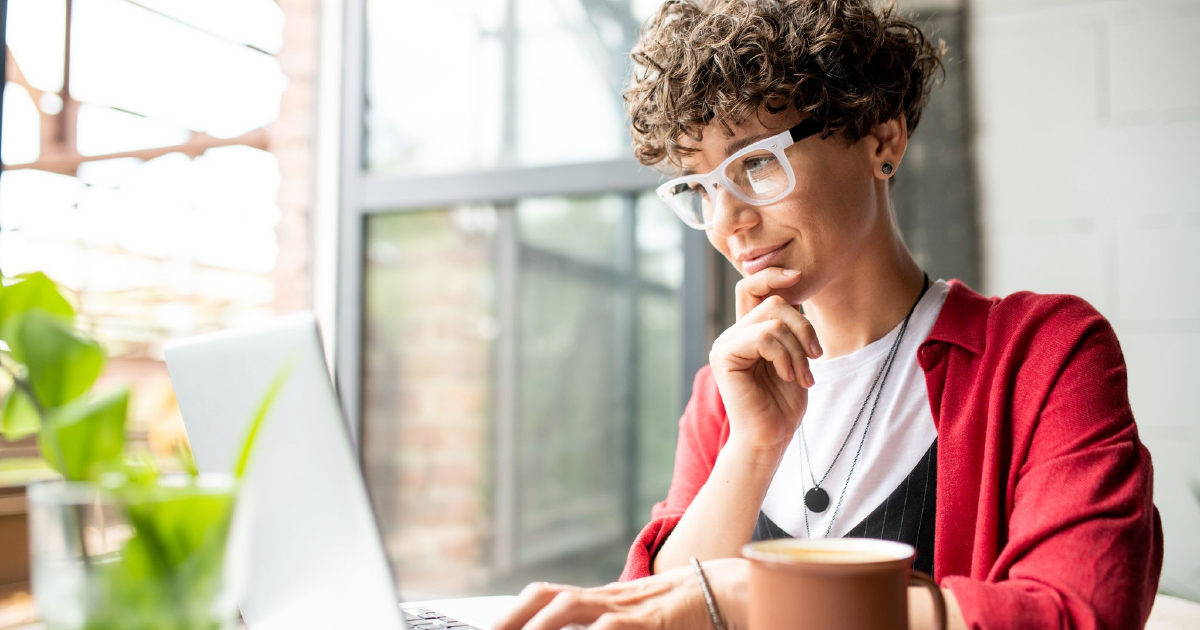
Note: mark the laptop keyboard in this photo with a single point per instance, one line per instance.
(425, 619)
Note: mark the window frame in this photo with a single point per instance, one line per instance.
(348, 195)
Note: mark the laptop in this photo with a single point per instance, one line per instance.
(315, 556)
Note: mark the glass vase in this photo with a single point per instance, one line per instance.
(163, 555)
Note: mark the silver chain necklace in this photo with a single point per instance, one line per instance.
(817, 499)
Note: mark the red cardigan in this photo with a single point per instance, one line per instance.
(1044, 511)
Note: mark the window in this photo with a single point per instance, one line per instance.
(453, 87)
(143, 172)
(524, 306)
(521, 386)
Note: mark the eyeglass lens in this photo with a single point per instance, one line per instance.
(758, 176)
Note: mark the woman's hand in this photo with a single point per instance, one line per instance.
(761, 363)
(667, 601)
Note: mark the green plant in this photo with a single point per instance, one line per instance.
(51, 369)
(166, 575)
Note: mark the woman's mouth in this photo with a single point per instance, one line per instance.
(755, 260)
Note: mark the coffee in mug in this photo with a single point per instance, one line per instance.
(844, 583)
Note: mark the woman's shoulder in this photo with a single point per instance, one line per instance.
(1033, 345)
(1022, 312)
(1049, 326)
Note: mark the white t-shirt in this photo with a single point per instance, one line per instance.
(900, 433)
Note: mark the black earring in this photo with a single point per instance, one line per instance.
(888, 168)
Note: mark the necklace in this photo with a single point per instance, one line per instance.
(817, 499)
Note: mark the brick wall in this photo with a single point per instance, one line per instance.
(429, 332)
(290, 140)
(1088, 114)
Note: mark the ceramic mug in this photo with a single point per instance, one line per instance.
(843, 583)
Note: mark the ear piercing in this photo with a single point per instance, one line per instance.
(888, 168)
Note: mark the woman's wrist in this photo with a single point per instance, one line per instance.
(729, 580)
(753, 453)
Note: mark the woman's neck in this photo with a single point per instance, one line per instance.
(863, 302)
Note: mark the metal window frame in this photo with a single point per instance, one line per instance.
(348, 195)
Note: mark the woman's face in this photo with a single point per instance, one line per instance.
(820, 227)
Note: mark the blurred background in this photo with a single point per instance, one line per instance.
(513, 317)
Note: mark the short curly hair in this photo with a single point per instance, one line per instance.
(848, 63)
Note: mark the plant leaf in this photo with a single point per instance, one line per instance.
(19, 418)
(31, 292)
(281, 377)
(60, 364)
(139, 469)
(169, 574)
(184, 519)
(87, 436)
(187, 460)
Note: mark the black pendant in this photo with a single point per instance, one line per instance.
(816, 499)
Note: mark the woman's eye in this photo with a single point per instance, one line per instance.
(757, 163)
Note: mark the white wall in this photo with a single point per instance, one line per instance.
(1088, 160)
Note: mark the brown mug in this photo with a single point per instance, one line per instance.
(842, 583)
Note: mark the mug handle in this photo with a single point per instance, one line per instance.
(939, 603)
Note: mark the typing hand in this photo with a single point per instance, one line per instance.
(667, 601)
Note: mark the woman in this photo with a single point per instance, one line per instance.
(854, 397)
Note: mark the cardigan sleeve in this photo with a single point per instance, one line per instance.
(703, 430)
(1083, 547)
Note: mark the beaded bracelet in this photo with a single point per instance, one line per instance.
(718, 624)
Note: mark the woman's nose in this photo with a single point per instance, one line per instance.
(731, 214)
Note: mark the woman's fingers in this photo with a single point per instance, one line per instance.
(652, 602)
(579, 606)
(741, 347)
(776, 307)
(532, 599)
(752, 290)
(793, 330)
(779, 346)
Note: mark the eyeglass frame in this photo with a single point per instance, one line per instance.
(776, 144)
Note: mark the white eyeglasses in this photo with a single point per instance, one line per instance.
(758, 175)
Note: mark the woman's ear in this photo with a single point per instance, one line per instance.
(889, 139)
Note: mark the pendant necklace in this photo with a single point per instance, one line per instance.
(817, 499)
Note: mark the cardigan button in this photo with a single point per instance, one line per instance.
(927, 356)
